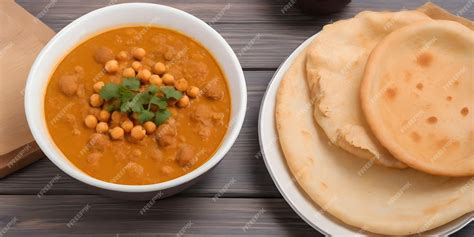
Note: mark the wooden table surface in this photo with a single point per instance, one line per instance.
(238, 197)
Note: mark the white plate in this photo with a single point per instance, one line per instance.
(283, 179)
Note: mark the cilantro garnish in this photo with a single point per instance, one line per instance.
(145, 115)
(128, 97)
(110, 91)
(171, 93)
(161, 116)
(131, 83)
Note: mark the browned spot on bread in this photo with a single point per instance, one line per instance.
(419, 86)
(424, 59)
(432, 120)
(415, 136)
(464, 111)
(442, 142)
(390, 93)
(449, 98)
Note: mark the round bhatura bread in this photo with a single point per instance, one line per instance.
(418, 96)
(377, 199)
(335, 66)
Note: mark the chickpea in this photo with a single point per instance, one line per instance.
(102, 127)
(150, 127)
(95, 100)
(90, 121)
(104, 116)
(144, 75)
(128, 72)
(116, 117)
(116, 133)
(122, 56)
(156, 80)
(127, 125)
(138, 53)
(183, 102)
(137, 66)
(159, 68)
(98, 85)
(181, 84)
(138, 132)
(111, 66)
(168, 79)
(192, 92)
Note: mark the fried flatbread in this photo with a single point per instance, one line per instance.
(335, 66)
(417, 95)
(374, 198)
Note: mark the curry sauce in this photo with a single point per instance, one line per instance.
(186, 140)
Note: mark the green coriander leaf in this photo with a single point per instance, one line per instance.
(126, 107)
(131, 83)
(125, 94)
(114, 105)
(133, 103)
(152, 89)
(161, 116)
(135, 107)
(171, 92)
(145, 115)
(136, 104)
(161, 103)
(109, 91)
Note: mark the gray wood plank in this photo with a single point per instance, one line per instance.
(92, 215)
(231, 11)
(275, 33)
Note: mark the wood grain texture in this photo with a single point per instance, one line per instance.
(276, 32)
(241, 180)
(101, 216)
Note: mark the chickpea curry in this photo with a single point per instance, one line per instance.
(138, 105)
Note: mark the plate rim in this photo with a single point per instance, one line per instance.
(292, 56)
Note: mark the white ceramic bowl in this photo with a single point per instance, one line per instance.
(113, 17)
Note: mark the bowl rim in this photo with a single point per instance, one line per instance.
(44, 139)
